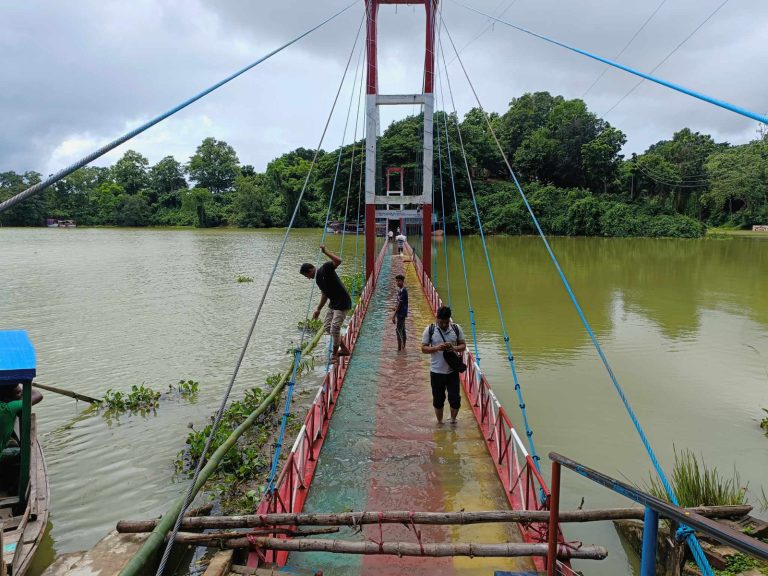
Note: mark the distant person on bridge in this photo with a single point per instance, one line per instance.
(400, 238)
(400, 311)
(333, 291)
(444, 336)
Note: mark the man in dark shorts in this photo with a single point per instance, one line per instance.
(400, 311)
(443, 335)
(332, 290)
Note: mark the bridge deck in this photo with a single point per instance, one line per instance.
(384, 451)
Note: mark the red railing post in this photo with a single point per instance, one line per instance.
(554, 517)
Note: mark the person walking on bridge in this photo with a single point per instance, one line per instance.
(333, 291)
(440, 340)
(400, 311)
(400, 238)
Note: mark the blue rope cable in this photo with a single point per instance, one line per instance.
(40, 186)
(692, 541)
(257, 315)
(510, 355)
(442, 208)
(286, 413)
(714, 101)
(458, 219)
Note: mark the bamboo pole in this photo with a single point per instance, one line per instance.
(428, 549)
(75, 395)
(153, 542)
(214, 539)
(405, 517)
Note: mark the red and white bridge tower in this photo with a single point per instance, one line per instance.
(373, 100)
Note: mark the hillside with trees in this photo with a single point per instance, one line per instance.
(568, 160)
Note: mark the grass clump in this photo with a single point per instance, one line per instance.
(697, 485)
(738, 563)
(241, 279)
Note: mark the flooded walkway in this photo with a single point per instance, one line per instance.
(385, 451)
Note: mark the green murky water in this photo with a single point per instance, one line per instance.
(684, 324)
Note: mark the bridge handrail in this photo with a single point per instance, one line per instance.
(721, 533)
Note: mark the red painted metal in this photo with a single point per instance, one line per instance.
(372, 10)
(293, 483)
(523, 485)
(370, 239)
(554, 518)
(426, 239)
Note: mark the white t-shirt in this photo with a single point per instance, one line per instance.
(400, 239)
(437, 361)
(390, 234)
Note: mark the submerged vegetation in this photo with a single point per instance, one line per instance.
(695, 484)
(568, 159)
(242, 279)
(764, 422)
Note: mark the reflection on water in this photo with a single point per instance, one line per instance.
(684, 323)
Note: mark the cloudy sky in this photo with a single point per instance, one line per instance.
(77, 74)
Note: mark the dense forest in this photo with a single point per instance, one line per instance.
(568, 161)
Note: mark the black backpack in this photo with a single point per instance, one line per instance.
(451, 358)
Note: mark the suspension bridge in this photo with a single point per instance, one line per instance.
(368, 441)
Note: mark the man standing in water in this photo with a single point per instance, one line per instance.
(443, 336)
(333, 291)
(400, 238)
(400, 311)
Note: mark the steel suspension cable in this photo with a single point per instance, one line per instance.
(442, 209)
(220, 412)
(711, 100)
(627, 45)
(667, 57)
(458, 218)
(510, 355)
(40, 186)
(691, 539)
(297, 352)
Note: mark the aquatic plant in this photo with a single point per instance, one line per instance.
(241, 279)
(186, 388)
(738, 563)
(764, 422)
(697, 485)
(139, 398)
(310, 325)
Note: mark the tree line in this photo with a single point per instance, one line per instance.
(568, 160)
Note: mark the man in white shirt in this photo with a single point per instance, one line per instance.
(400, 238)
(439, 337)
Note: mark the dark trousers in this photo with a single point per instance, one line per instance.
(400, 331)
(442, 383)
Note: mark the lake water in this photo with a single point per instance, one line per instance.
(684, 324)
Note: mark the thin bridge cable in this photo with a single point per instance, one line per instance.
(442, 209)
(298, 351)
(357, 225)
(692, 541)
(716, 102)
(510, 355)
(220, 412)
(40, 186)
(458, 217)
(616, 57)
(667, 57)
(486, 26)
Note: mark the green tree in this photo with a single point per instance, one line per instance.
(30, 212)
(214, 166)
(285, 176)
(166, 179)
(132, 211)
(738, 191)
(252, 202)
(524, 116)
(130, 172)
(601, 160)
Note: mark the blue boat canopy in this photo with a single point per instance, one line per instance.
(17, 357)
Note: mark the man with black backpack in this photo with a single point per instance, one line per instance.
(444, 341)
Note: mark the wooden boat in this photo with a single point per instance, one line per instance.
(24, 492)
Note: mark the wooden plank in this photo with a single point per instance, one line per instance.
(220, 563)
